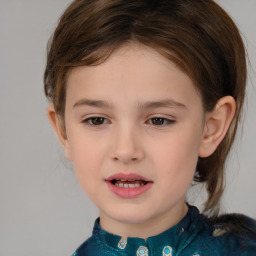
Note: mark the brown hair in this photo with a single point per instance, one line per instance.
(198, 36)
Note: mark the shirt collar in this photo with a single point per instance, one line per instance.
(175, 238)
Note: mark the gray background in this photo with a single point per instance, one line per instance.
(43, 210)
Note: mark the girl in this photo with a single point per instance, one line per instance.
(145, 96)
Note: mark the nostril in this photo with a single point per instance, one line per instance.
(134, 159)
(115, 158)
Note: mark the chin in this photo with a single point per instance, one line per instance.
(130, 217)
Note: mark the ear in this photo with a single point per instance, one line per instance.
(217, 123)
(58, 126)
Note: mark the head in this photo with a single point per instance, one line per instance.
(197, 36)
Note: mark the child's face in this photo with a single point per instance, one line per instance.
(135, 117)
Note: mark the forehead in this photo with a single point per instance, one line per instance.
(132, 71)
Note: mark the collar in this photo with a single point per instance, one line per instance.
(175, 238)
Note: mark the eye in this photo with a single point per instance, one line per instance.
(160, 121)
(95, 121)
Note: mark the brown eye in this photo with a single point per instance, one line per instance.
(159, 121)
(95, 121)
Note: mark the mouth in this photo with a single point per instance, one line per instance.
(128, 185)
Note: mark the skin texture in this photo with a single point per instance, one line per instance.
(129, 140)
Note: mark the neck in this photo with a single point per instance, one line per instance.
(144, 229)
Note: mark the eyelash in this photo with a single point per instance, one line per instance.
(165, 121)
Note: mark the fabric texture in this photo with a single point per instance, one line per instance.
(194, 235)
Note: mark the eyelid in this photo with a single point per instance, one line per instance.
(163, 116)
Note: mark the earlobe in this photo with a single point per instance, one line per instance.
(58, 128)
(217, 123)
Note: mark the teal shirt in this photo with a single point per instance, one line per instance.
(194, 235)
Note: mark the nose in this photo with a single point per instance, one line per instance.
(126, 146)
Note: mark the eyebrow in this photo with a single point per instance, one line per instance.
(166, 103)
(92, 103)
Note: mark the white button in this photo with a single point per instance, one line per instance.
(142, 251)
(167, 251)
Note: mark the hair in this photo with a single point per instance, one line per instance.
(199, 36)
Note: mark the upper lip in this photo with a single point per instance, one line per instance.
(127, 177)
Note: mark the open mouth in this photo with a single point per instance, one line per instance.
(128, 183)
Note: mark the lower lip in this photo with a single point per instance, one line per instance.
(129, 192)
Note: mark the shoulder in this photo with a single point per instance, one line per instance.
(240, 225)
(87, 248)
(230, 234)
(97, 244)
(239, 228)
(94, 246)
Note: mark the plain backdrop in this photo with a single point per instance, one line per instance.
(43, 211)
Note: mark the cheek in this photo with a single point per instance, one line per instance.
(178, 169)
(177, 157)
(87, 156)
(87, 164)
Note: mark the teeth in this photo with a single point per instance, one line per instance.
(125, 185)
(121, 185)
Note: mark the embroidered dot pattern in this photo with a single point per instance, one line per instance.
(122, 244)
